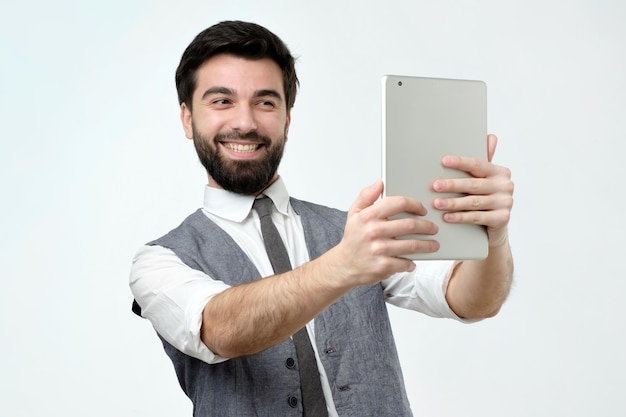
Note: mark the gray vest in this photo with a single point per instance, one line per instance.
(353, 335)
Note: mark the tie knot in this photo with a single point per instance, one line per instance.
(263, 206)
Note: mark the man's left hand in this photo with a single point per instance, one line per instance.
(487, 194)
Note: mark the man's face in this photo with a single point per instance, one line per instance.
(239, 122)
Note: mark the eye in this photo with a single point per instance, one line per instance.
(267, 104)
(220, 102)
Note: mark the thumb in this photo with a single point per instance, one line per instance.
(367, 197)
(492, 142)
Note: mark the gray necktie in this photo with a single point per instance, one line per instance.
(313, 401)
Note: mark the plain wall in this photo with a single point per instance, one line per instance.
(94, 163)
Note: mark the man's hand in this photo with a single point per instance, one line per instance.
(488, 198)
(369, 251)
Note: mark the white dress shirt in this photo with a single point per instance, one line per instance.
(172, 295)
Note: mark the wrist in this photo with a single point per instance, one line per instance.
(498, 238)
(335, 271)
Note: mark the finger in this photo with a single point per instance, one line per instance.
(394, 205)
(493, 219)
(393, 248)
(407, 225)
(500, 183)
(367, 197)
(408, 246)
(390, 265)
(474, 202)
(492, 142)
(475, 167)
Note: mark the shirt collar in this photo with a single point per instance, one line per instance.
(236, 207)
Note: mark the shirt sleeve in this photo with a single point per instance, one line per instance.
(172, 297)
(423, 289)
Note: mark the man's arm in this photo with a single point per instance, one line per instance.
(477, 289)
(249, 318)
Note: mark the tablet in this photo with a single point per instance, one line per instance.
(423, 120)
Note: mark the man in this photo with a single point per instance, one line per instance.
(210, 289)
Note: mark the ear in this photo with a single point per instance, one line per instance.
(185, 118)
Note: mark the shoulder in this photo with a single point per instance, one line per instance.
(307, 208)
(189, 227)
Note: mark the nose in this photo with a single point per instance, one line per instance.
(243, 119)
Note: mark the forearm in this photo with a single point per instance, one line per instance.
(249, 318)
(477, 289)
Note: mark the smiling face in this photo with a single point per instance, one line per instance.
(238, 121)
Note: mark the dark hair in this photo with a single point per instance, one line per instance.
(242, 39)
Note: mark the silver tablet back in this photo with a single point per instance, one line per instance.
(423, 120)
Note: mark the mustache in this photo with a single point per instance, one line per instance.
(265, 140)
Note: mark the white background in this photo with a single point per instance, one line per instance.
(94, 163)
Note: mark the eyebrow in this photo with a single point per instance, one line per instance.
(230, 92)
(268, 93)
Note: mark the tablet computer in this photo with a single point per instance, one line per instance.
(423, 120)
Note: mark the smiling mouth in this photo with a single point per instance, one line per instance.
(242, 147)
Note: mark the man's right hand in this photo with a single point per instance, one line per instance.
(369, 251)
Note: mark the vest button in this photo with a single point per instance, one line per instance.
(290, 363)
(293, 402)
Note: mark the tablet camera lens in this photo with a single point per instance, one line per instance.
(400, 83)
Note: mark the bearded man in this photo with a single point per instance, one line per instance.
(272, 306)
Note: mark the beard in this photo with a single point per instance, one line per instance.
(241, 177)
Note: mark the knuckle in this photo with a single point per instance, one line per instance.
(401, 201)
(429, 228)
(406, 204)
(511, 187)
(413, 246)
(384, 264)
(397, 203)
(505, 217)
(365, 216)
(413, 225)
(371, 232)
(430, 246)
(477, 217)
(421, 246)
(474, 184)
(377, 249)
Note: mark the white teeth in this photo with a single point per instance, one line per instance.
(240, 147)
